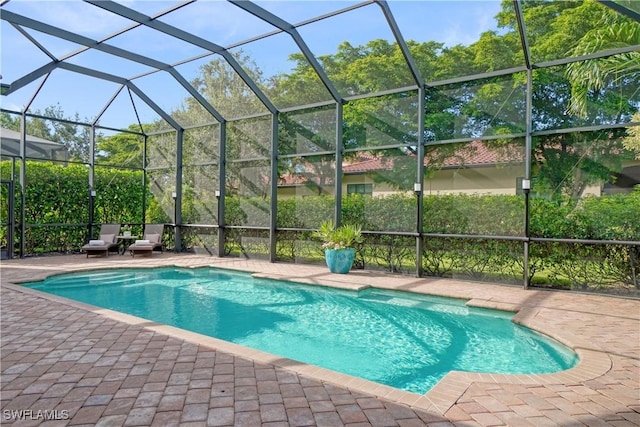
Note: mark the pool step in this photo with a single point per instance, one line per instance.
(95, 279)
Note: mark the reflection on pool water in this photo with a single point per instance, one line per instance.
(404, 340)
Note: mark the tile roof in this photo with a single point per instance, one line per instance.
(472, 154)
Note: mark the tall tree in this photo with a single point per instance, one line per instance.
(10, 121)
(567, 163)
(225, 90)
(122, 149)
(472, 109)
(62, 129)
(59, 128)
(596, 78)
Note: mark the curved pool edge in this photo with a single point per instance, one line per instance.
(311, 371)
(592, 362)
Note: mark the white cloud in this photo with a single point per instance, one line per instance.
(450, 22)
(220, 22)
(74, 16)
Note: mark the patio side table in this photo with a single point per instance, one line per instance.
(122, 240)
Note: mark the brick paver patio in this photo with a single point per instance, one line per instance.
(66, 363)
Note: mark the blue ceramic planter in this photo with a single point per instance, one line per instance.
(339, 260)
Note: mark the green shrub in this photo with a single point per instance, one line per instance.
(57, 214)
(342, 237)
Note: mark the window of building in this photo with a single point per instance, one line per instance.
(360, 189)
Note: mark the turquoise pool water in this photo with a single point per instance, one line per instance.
(400, 339)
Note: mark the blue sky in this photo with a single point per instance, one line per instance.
(450, 22)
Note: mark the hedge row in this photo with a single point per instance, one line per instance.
(604, 267)
(611, 217)
(57, 198)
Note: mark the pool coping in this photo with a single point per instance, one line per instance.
(592, 362)
(440, 398)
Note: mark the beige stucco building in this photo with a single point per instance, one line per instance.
(477, 171)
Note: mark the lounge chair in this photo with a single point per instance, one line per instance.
(151, 240)
(106, 242)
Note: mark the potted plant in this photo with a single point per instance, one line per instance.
(338, 244)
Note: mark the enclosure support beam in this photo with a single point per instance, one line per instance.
(621, 9)
(23, 166)
(17, 19)
(527, 177)
(526, 185)
(178, 199)
(163, 27)
(11, 216)
(92, 170)
(23, 180)
(523, 33)
(145, 179)
(337, 214)
(420, 181)
(395, 29)
(285, 26)
(222, 173)
(274, 188)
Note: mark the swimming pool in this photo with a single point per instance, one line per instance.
(404, 340)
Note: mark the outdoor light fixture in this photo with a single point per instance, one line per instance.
(217, 193)
(174, 195)
(526, 184)
(417, 188)
(93, 193)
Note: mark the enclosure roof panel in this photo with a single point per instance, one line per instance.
(228, 59)
(218, 21)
